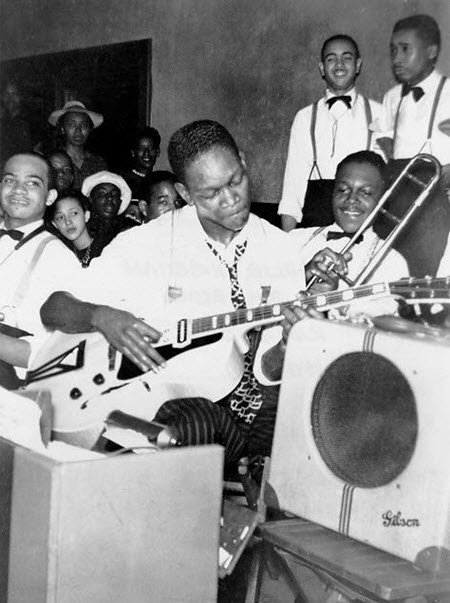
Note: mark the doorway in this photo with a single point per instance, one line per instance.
(114, 80)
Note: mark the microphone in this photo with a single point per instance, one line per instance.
(162, 436)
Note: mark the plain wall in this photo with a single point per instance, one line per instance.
(250, 64)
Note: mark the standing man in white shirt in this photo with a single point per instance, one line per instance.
(323, 133)
(410, 124)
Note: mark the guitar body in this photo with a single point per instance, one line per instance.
(205, 357)
(88, 379)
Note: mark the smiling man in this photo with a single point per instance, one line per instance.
(210, 257)
(324, 133)
(359, 184)
(33, 263)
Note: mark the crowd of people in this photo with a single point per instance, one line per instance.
(83, 249)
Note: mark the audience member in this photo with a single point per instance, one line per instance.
(160, 195)
(210, 257)
(409, 124)
(76, 124)
(63, 167)
(70, 215)
(32, 262)
(323, 133)
(145, 149)
(109, 197)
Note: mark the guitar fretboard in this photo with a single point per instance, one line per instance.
(273, 312)
(412, 289)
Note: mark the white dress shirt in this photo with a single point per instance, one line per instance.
(413, 121)
(20, 301)
(339, 131)
(165, 269)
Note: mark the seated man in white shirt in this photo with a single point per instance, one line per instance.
(33, 263)
(410, 123)
(324, 133)
(208, 258)
(359, 184)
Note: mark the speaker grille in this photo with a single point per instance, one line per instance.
(364, 419)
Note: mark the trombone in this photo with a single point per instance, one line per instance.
(425, 189)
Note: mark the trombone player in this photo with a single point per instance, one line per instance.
(360, 182)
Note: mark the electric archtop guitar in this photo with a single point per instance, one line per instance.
(204, 355)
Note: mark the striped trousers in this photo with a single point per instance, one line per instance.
(201, 421)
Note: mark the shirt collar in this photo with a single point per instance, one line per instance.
(430, 83)
(227, 252)
(351, 93)
(27, 229)
(335, 228)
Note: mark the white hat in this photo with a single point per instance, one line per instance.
(108, 177)
(75, 107)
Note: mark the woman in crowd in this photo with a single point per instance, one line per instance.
(70, 216)
(76, 124)
(144, 150)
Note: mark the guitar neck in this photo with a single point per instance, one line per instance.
(411, 290)
(274, 312)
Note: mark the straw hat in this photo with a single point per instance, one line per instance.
(75, 107)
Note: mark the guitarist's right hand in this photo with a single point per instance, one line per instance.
(130, 336)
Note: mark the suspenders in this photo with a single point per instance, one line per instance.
(24, 282)
(437, 97)
(312, 129)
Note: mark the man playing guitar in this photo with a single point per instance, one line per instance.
(210, 257)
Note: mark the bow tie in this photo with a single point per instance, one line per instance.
(334, 236)
(14, 234)
(347, 100)
(417, 91)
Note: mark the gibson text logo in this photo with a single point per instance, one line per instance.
(395, 520)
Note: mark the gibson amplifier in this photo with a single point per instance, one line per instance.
(362, 438)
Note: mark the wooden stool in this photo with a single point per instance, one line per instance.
(355, 571)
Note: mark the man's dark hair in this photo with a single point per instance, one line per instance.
(339, 37)
(145, 132)
(159, 176)
(51, 174)
(62, 152)
(368, 157)
(425, 27)
(194, 139)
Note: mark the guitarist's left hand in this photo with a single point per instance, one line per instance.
(130, 336)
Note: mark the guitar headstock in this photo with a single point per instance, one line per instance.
(425, 290)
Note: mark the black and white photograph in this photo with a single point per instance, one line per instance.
(224, 301)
